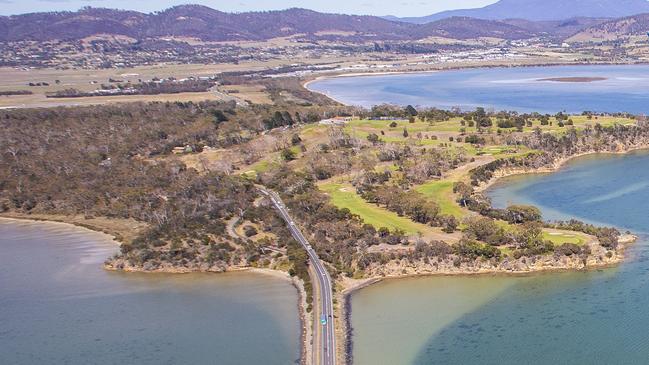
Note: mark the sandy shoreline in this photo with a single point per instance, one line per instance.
(122, 230)
(10, 218)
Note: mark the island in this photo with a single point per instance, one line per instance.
(574, 79)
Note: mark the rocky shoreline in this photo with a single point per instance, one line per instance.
(523, 266)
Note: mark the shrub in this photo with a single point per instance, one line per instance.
(249, 231)
(472, 250)
(288, 154)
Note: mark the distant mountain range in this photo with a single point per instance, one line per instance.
(542, 10)
(190, 21)
(211, 25)
(195, 21)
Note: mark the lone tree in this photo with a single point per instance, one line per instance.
(219, 117)
(249, 231)
(411, 111)
(523, 213)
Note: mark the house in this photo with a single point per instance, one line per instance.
(336, 121)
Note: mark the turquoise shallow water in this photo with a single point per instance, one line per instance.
(624, 89)
(596, 317)
(58, 306)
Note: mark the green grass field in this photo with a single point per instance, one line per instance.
(580, 122)
(363, 127)
(435, 134)
(441, 192)
(262, 166)
(558, 238)
(344, 196)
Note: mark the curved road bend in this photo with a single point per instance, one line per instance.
(327, 342)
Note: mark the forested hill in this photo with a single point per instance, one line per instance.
(637, 25)
(212, 25)
(201, 22)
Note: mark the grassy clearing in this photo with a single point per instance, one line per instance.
(579, 122)
(254, 93)
(344, 196)
(441, 192)
(558, 238)
(420, 133)
(503, 151)
(426, 134)
(261, 166)
(367, 125)
(454, 125)
(437, 134)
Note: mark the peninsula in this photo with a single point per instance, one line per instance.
(190, 136)
(372, 193)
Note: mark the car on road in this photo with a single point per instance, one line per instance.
(323, 320)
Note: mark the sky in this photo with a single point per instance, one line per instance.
(365, 7)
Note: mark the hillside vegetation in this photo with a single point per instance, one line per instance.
(200, 22)
(391, 186)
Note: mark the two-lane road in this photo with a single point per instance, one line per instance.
(327, 342)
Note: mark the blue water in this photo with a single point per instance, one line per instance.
(624, 90)
(594, 317)
(58, 306)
